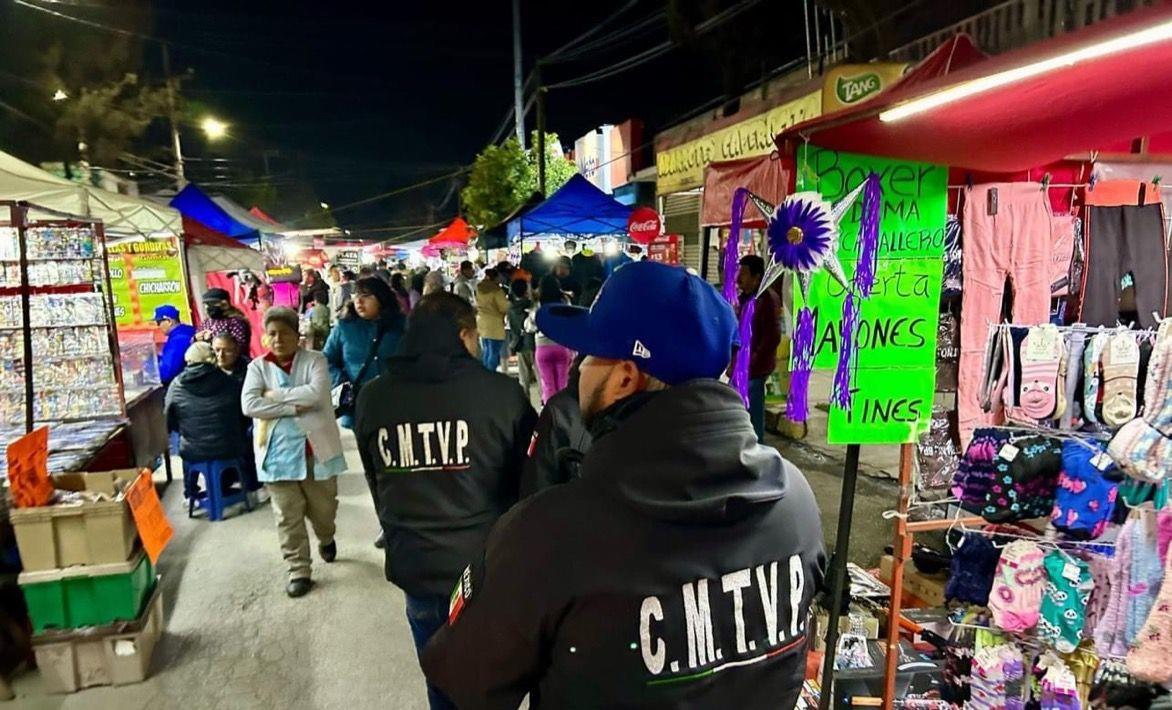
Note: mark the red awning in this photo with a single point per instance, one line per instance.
(457, 233)
(196, 234)
(763, 175)
(1097, 103)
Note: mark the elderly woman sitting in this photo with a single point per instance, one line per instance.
(203, 406)
(296, 442)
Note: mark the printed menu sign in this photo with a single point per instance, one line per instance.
(894, 373)
(144, 276)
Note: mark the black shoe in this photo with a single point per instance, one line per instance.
(299, 587)
(329, 552)
(381, 542)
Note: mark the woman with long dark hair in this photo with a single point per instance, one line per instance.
(399, 288)
(365, 337)
(363, 341)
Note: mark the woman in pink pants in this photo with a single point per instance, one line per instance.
(553, 361)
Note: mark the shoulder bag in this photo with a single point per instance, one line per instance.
(344, 397)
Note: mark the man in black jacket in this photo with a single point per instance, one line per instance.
(442, 441)
(679, 569)
(559, 440)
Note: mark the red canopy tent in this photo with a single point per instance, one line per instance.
(458, 233)
(1093, 89)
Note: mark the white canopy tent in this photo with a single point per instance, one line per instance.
(122, 215)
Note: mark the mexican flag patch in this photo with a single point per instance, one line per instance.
(460, 596)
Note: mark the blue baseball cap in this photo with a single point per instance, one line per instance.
(167, 311)
(672, 324)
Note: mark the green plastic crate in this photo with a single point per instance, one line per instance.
(88, 595)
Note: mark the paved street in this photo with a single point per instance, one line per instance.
(234, 640)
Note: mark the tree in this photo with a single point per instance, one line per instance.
(558, 168)
(108, 118)
(505, 175)
(497, 183)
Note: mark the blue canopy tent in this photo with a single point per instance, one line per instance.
(195, 204)
(578, 209)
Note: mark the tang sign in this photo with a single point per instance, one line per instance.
(153, 526)
(28, 469)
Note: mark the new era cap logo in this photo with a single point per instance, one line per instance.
(641, 351)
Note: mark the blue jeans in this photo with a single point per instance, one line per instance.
(490, 353)
(425, 616)
(757, 406)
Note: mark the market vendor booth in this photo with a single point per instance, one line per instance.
(987, 278)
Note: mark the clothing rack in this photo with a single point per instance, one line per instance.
(905, 531)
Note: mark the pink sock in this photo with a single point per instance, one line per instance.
(1016, 599)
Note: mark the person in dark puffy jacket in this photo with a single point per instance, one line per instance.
(203, 405)
(560, 440)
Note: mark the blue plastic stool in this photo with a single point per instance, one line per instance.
(214, 500)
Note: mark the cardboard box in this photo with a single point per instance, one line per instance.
(927, 589)
(115, 655)
(92, 533)
(107, 482)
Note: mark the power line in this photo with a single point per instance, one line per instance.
(611, 40)
(594, 30)
(392, 193)
(655, 52)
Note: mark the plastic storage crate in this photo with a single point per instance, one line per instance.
(119, 654)
(87, 596)
(91, 533)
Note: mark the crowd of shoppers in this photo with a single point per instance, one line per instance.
(529, 547)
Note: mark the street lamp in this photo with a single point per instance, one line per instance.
(213, 128)
(60, 95)
(324, 205)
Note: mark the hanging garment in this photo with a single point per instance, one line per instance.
(1124, 235)
(1062, 254)
(1007, 235)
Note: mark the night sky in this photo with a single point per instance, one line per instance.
(353, 99)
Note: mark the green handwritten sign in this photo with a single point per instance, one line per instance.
(889, 406)
(894, 371)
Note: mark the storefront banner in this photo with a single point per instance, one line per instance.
(894, 373)
(350, 259)
(144, 276)
(682, 167)
(850, 84)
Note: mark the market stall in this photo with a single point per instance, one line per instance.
(1033, 197)
(578, 211)
(57, 335)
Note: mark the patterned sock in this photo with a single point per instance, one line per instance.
(1147, 575)
(1016, 599)
(1041, 355)
(1064, 603)
(1120, 373)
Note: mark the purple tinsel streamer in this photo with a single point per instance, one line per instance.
(732, 255)
(740, 372)
(797, 407)
(869, 236)
(840, 396)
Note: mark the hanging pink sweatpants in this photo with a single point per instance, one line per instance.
(1015, 244)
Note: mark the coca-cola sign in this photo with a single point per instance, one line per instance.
(644, 225)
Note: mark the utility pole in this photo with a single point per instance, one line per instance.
(540, 128)
(176, 145)
(518, 91)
